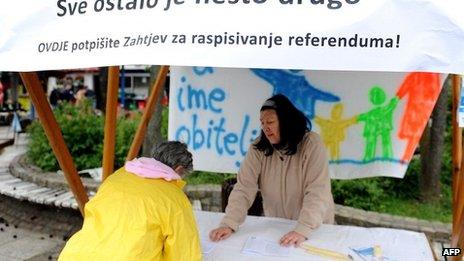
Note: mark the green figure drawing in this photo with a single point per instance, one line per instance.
(333, 130)
(378, 123)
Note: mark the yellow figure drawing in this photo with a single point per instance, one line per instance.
(333, 130)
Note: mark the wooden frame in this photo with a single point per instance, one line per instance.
(457, 238)
(111, 114)
(55, 137)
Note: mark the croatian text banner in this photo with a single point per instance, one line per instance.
(354, 35)
(370, 122)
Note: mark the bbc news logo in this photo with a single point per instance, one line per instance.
(451, 252)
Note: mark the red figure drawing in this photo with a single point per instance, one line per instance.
(422, 90)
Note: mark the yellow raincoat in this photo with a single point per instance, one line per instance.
(135, 218)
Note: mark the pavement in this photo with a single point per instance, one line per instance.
(20, 241)
(24, 244)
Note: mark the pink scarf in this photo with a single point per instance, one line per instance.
(151, 168)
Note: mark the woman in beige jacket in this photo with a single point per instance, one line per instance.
(288, 164)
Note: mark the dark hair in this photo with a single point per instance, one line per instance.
(173, 154)
(293, 125)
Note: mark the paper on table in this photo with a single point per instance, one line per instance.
(207, 246)
(257, 245)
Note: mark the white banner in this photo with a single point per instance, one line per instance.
(370, 122)
(353, 35)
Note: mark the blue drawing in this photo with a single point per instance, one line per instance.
(202, 70)
(208, 128)
(296, 87)
(216, 136)
(198, 98)
(365, 162)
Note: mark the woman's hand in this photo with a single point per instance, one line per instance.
(220, 233)
(292, 238)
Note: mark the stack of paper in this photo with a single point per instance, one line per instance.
(261, 246)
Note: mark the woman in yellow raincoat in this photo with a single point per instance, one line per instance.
(140, 213)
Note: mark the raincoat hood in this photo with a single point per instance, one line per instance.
(151, 168)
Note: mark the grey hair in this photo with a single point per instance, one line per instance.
(173, 154)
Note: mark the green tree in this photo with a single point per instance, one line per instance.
(432, 146)
(153, 134)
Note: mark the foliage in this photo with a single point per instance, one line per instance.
(164, 122)
(393, 196)
(358, 193)
(440, 211)
(203, 177)
(125, 133)
(83, 133)
(373, 195)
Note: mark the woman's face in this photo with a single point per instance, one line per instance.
(270, 125)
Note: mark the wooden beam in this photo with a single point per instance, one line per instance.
(457, 150)
(149, 109)
(110, 121)
(55, 137)
(458, 186)
(457, 239)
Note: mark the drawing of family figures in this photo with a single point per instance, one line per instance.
(378, 121)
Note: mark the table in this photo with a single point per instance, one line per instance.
(396, 244)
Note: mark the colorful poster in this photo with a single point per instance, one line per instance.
(370, 122)
(349, 35)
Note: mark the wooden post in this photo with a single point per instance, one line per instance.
(457, 150)
(149, 109)
(55, 137)
(460, 243)
(457, 238)
(110, 121)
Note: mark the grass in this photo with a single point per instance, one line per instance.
(411, 208)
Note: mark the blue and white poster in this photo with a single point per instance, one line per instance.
(370, 122)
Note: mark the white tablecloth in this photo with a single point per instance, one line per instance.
(396, 244)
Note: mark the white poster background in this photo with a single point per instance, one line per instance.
(423, 35)
(216, 112)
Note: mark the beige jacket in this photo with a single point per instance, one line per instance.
(294, 187)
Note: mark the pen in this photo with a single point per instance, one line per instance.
(325, 252)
